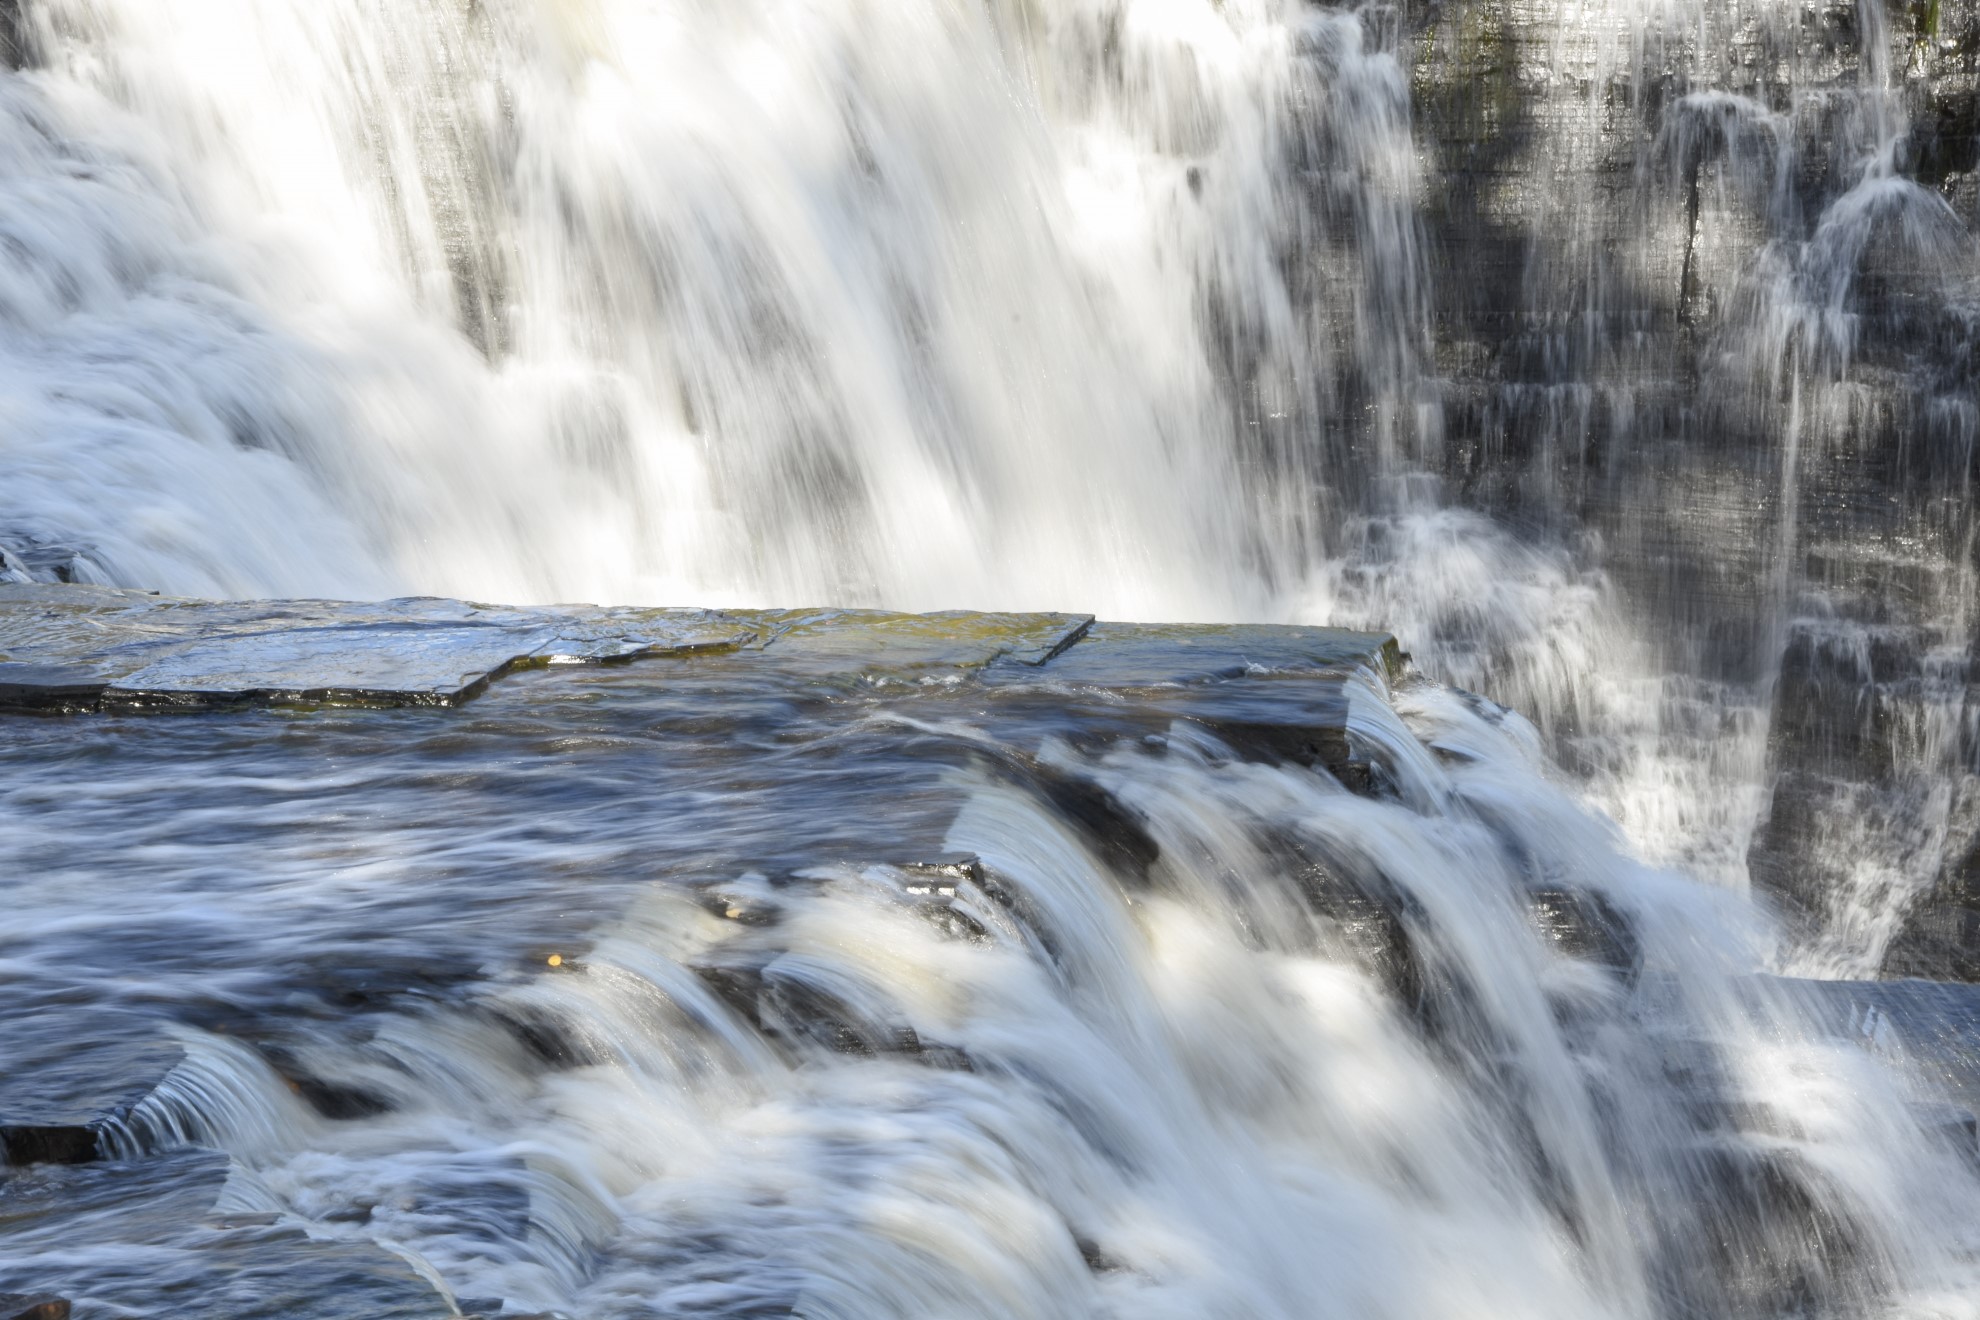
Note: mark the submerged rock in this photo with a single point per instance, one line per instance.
(31, 1143)
(41, 1306)
(1582, 924)
(67, 1225)
(1931, 1028)
(68, 1103)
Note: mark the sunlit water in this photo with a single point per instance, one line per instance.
(1197, 1036)
(1119, 307)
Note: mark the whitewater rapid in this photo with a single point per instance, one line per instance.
(887, 999)
(1119, 306)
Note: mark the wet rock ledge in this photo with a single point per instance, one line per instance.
(74, 648)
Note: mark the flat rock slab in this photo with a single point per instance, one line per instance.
(99, 1073)
(914, 648)
(1138, 656)
(78, 648)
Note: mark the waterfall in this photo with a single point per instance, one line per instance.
(979, 305)
(1128, 307)
(1614, 354)
(1108, 307)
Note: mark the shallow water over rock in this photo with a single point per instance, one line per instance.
(904, 965)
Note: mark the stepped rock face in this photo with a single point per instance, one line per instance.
(1704, 288)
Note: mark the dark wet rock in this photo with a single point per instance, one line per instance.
(940, 892)
(1585, 925)
(50, 687)
(942, 875)
(1940, 936)
(1113, 830)
(1601, 227)
(37, 1306)
(1136, 657)
(1369, 918)
(1096, 1257)
(1275, 695)
(1848, 700)
(1116, 832)
(29, 1143)
(1777, 1235)
(1790, 873)
(1260, 720)
(337, 1100)
(27, 558)
(799, 1015)
(17, 47)
(1844, 691)
(1816, 829)
(547, 1039)
(69, 1103)
(750, 905)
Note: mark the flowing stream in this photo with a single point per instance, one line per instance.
(1142, 308)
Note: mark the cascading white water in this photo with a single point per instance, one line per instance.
(1114, 307)
(1226, 1087)
(1110, 305)
(958, 305)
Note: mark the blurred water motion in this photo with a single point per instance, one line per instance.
(1616, 356)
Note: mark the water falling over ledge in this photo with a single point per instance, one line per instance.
(1617, 355)
(853, 964)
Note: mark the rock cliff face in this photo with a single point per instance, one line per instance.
(1704, 289)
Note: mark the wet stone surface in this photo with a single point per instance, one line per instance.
(76, 648)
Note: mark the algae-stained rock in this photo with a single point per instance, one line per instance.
(1136, 655)
(1276, 694)
(78, 647)
(913, 647)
